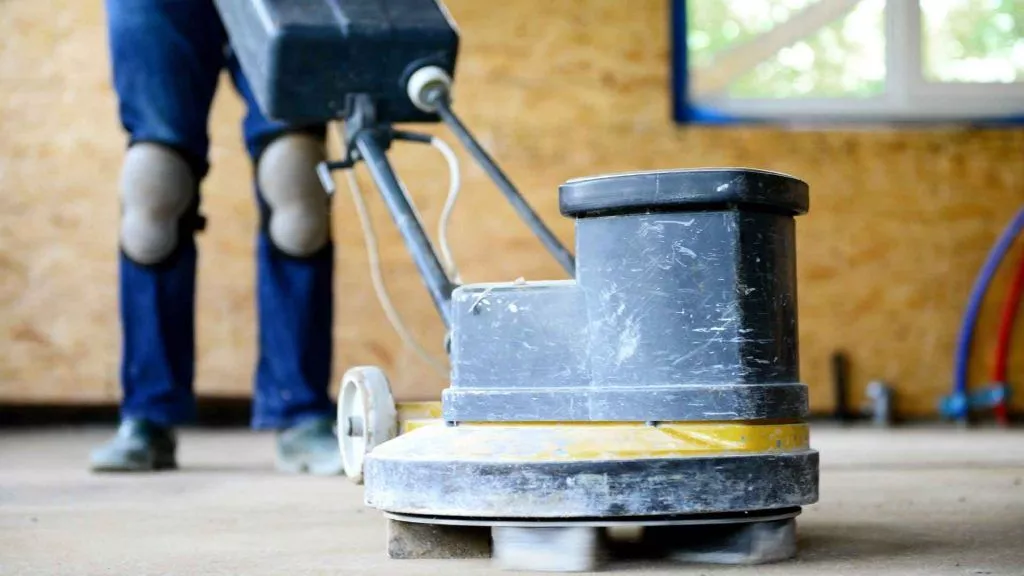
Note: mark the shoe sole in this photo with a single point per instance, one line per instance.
(304, 467)
(152, 466)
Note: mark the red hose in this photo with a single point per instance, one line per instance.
(1002, 351)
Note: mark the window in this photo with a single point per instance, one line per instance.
(849, 60)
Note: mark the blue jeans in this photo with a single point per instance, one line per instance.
(167, 56)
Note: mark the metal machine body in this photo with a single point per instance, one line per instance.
(678, 336)
(658, 386)
(683, 309)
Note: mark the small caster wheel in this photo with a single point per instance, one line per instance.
(367, 417)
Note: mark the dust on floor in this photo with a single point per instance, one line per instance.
(906, 501)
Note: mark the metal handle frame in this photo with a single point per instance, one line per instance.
(368, 140)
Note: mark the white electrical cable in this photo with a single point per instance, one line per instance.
(377, 277)
(454, 183)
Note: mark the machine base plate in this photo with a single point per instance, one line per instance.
(585, 544)
(592, 470)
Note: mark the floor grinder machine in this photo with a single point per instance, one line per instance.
(657, 388)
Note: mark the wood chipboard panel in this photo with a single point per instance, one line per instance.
(900, 220)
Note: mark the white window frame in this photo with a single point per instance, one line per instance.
(906, 97)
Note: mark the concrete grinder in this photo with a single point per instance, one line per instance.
(658, 388)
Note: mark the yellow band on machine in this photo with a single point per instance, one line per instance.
(413, 415)
(556, 441)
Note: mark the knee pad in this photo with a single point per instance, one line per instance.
(157, 189)
(299, 217)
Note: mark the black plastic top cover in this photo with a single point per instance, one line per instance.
(699, 188)
(307, 59)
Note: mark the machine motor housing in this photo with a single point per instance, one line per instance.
(306, 60)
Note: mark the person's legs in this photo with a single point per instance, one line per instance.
(166, 58)
(294, 288)
(295, 273)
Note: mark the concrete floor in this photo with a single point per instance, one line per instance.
(908, 501)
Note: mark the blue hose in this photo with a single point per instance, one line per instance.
(957, 405)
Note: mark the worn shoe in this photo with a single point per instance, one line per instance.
(309, 447)
(138, 446)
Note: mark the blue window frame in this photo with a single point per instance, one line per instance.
(843, 61)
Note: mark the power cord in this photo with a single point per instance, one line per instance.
(373, 252)
(377, 278)
(454, 183)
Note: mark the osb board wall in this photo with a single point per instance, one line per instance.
(900, 221)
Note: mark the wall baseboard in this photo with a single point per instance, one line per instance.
(234, 412)
(210, 412)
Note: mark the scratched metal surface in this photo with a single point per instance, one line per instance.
(681, 309)
(423, 473)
